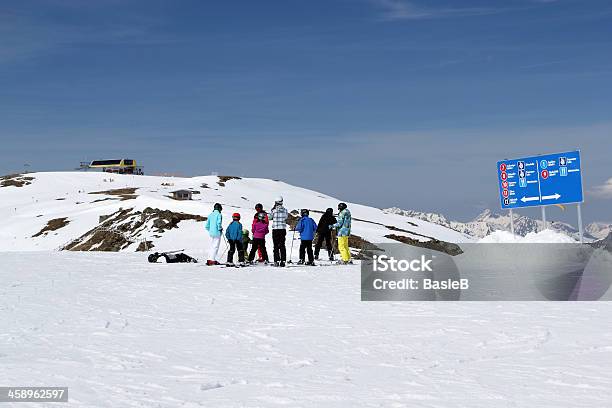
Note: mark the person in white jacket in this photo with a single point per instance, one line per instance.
(214, 226)
(278, 216)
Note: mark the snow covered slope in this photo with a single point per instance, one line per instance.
(98, 211)
(120, 332)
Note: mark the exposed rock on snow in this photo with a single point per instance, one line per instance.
(125, 227)
(144, 246)
(15, 180)
(224, 179)
(359, 245)
(436, 245)
(52, 225)
(123, 193)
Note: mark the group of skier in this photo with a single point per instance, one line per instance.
(238, 238)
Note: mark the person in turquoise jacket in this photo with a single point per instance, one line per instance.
(233, 233)
(214, 227)
(343, 226)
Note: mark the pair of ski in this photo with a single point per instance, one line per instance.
(316, 265)
(246, 265)
(236, 266)
(287, 265)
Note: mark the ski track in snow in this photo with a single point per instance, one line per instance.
(120, 332)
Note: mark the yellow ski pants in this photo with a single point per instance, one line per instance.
(343, 248)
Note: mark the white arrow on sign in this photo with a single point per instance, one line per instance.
(573, 170)
(551, 197)
(525, 199)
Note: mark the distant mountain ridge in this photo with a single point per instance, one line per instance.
(489, 221)
(599, 230)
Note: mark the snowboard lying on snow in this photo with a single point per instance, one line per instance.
(172, 257)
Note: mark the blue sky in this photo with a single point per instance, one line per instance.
(385, 102)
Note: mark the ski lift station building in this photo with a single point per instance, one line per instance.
(119, 166)
(182, 195)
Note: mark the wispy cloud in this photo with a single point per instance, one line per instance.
(604, 190)
(545, 64)
(409, 10)
(27, 35)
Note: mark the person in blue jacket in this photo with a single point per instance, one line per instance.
(214, 228)
(306, 227)
(233, 233)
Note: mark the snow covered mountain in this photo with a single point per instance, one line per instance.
(87, 211)
(489, 221)
(599, 230)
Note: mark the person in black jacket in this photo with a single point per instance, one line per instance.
(324, 233)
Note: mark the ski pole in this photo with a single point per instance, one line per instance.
(292, 239)
(226, 247)
(335, 245)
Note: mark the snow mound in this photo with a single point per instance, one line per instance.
(546, 236)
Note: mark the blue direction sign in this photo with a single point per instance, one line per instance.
(540, 180)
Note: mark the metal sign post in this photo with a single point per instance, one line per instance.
(578, 207)
(543, 217)
(511, 222)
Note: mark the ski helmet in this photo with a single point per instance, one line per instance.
(236, 216)
(341, 206)
(261, 216)
(304, 212)
(258, 207)
(329, 211)
(279, 200)
(218, 207)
